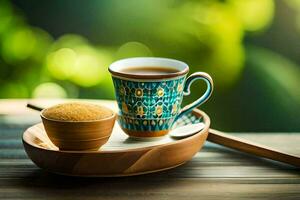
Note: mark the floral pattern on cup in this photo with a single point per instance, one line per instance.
(148, 105)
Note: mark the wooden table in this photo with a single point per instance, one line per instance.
(214, 173)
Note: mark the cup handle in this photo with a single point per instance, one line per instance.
(186, 91)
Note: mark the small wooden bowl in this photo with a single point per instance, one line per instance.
(81, 135)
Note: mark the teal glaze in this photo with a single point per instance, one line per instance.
(203, 98)
(154, 105)
(147, 105)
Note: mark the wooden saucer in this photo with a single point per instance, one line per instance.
(120, 156)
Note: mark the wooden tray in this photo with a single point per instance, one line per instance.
(120, 156)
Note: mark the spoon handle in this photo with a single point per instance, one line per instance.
(246, 146)
(34, 107)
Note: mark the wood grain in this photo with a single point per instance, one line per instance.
(247, 146)
(214, 173)
(85, 135)
(120, 156)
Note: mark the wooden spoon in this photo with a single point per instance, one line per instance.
(253, 148)
(230, 141)
(233, 142)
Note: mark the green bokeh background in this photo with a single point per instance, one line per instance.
(251, 48)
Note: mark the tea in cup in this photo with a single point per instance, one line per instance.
(149, 92)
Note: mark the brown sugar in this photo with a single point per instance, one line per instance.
(77, 112)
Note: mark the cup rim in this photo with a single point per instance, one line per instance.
(116, 67)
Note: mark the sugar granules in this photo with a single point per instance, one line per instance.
(77, 112)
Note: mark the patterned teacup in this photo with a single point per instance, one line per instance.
(150, 103)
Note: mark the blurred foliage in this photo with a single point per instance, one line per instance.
(281, 74)
(280, 79)
(295, 4)
(207, 34)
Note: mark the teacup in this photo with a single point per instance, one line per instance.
(149, 92)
